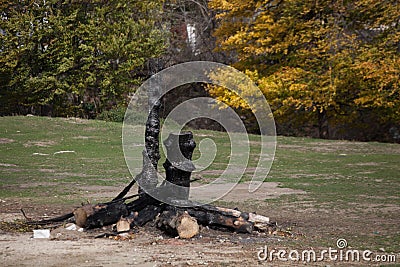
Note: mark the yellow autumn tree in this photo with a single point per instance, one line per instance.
(326, 62)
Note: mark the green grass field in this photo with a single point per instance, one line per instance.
(356, 183)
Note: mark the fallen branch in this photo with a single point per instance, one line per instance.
(61, 218)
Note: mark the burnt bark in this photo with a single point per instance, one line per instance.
(178, 165)
(177, 222)
(147, 179)
(95, 216)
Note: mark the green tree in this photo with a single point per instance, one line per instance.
(74, 57)
(329, 62)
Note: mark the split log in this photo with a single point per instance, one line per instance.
(177, 222)
(260, 222)
(123, 225)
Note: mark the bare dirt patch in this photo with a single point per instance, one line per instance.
(240, 192)
(47, 143)
(312, 227)
(148, 247)
(145, 249)
(7, 165)
(151, 247)
(81, 137)
(75, 120)
(6, 140)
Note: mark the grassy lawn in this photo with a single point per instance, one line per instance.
(54, 157)
(351, 188)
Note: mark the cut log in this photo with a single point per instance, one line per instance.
(231, 219)
(260, 222)
(212, 218)
(123, 225)
(187, 226)
(81, 215)
(178, 222)
(94, 216)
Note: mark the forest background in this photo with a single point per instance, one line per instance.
(329, 69)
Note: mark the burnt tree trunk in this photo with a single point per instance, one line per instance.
(178, 165)
(147, 178)
(151, 155)
(170, 217)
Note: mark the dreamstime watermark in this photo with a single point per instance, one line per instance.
(339, 254)
(151, 93)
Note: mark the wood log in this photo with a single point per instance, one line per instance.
(95, 216)
(216, 219)
(149, 213)
(123, 225)
(178, 222)
(260, 222)
(231, 219)
(81, 214)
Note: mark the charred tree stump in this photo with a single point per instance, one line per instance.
(151, 154)
(171, 217)
(178, 165)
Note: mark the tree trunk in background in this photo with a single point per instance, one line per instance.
(323, 125)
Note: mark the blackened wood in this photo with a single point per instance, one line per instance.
(100, 214)
(147, 214)
(125, 190)
(177, 222)
(61, 218)
(141, 203)
(212, 218)
(147, 179)
(209, 215)
(178, 165)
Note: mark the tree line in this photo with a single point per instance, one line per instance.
(327, 68)
(75, 58)
(331, 66)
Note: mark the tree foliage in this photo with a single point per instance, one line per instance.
(328, 62)
(64, 57)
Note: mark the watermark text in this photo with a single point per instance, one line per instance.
(341, 253)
